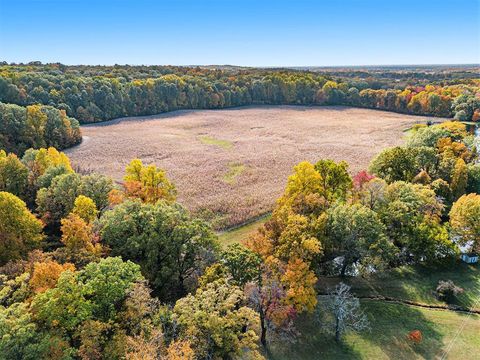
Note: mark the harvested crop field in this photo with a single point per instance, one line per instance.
(231, 165)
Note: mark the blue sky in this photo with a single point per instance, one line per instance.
(247, 32)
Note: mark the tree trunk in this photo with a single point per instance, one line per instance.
(337, 330)
(181, 287)
(263, 336)
(344, 267)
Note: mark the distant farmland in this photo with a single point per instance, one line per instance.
(231, 165)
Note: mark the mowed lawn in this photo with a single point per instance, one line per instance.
(241, 233)
(230, 166)
(454, 335)
(442, 331)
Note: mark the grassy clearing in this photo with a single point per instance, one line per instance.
(417, 284)
(234, 170)
(387, 338)
(208, 140)
(240, 234)
(194, 148)
(390, 322)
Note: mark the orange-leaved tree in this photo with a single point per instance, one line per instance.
(45, 275)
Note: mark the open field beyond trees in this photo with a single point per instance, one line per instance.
(232, 164)
(220, 185)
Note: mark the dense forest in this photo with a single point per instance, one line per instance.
(97, 93)
(36, 126)
(91, 269)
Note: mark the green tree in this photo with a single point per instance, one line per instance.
(45, 180)
(405, 208)
(242, 263)
(95, 293)
(426, 136)
(169, 245)
(336, 181)
(96, 187)
(426, 159)
(395, 164)
(109, 281)
(356, 233)
(20, 231)
(64, 307)
(430, 243)
(20, 336)
(473, 176)
(58, 200)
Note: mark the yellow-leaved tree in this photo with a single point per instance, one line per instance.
(148, 183)
(35, 126)
(465, 220)
(85, 208)
(20, 230)
(79, 240)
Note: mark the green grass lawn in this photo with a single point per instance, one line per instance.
(240, 234)
(390, 323)
(387, 337)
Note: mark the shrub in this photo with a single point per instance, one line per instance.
(415, 336)
(447, 290)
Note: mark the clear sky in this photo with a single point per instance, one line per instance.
(241, 32)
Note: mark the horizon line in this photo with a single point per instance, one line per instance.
(245, 66)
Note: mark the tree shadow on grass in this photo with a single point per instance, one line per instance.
(311, 344)
(387, 338)
(390, 325)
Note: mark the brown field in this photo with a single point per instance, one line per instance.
(231, 165)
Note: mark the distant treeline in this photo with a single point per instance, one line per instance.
(98, 93)
(36, 126)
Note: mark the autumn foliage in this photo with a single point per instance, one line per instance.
(45, 275)
(180, 350)
(147, 183)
